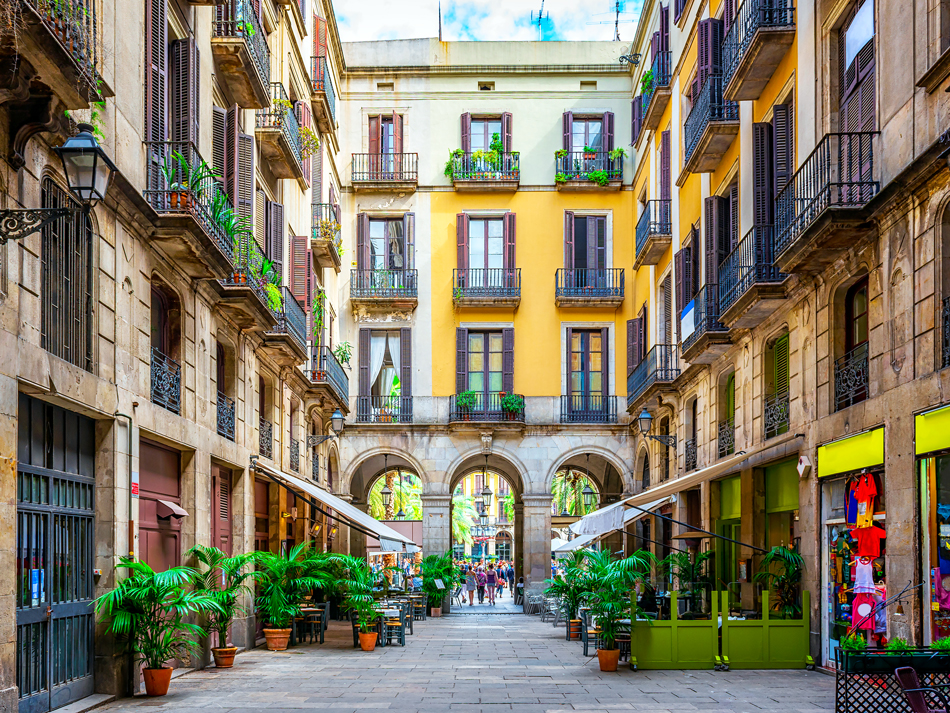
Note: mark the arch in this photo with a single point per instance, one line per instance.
(501, 461)
(610, 456)
(165, 305)
(348, 477)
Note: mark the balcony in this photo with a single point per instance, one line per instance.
(225, 416)
(493, 407)
(705, 338)
(384, 409)
(657, 92)
(709, 129)
(851, 377)
(244, 296)
(166, 382)
(241, 55)
(295, 455)
(286, 340)
(385, 289)
(946, 332)
(385, 172)
(278, 136)
(328, 378)
(750, 286)
(583, 287)
(726, 438)
(588, 408)
(486, 287)
(654, 232)
(266, 439)
(758, 39)
(486, 173)
(588, 171)
(325, 240)
(689, 454)
(822, 211)
(655, 374)
(322, 94)
(189, 232)
(775, 415)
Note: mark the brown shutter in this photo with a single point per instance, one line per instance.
(300, 266)
(218, 140)
(374, 135)
(467, 132)
(397, 133)
(364, 361)
(702, 58)
(506, 122)
(319, 36)
(643, 333)
(409, 231)
(665, 34)
(569, 239)
(405, 361)
(509, 257)
(461, 360)
(260, 222)
(731, 239)
(608, 129)
(636, 118)
(185, 108)
(231, 153)
(633, 344)
(362, 242)
(711, 230)
(709, 57)
(461, 240)
(666, 186)
(221, 503)
(667, 323)
(762, 179)
(303, 112)
(508, 360)
(567, 123)
(275, 233)
(245, 184)
(783, 154)
(604, 367)
(156, 75)
(728, 14)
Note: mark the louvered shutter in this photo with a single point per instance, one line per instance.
(636, 108)
(364, 341)
(763, 181)
(608, 128)
(221, 493)
(506, 126)
(245, 183)
(304, 117)
(218, 141)
(508, 360)
(711, 238)
(780, 361)
(666, 184)
(567, 124)
(667, 311)
(185, 108)
(362, 243)
(374, 135)
(655, 43)
(231, 158)
(784, 146)
(397, 133)
(316, 176)
(728, 15)
(731, 239)
(405, 362)
(467, 132)
(509, 257)
(275, 233)
(461, 360)
(633, 344)
(409, 231)
(709, 57)
(461, 243)
(156, 78)
(260, 227)
(665, 33)
(569, 239)
(643, 333)
(680, 269)
(319, 36)
(677, 9)
(300, 265)
(702, 57)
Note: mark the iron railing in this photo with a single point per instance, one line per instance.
(709, 106)
(589, 282)
(169, 190)
(749, 263)
(326, 369)
(292, 319)
(661, 74)
(750, 17)
(705, 314)
(775, 414)
(248, 264)
(325, 223)
(588, 166)
(481, 282)
(166, 382)
(266, 440)
(280, 115)
(76, 25)
(839, 173)
(479, 406)
(315, 467)
(323, 82)
(225, 416)
(475, 167)
(295, 455)
(689, 453)
(851, 377)
(656, 219)
(384, 409)
(384, 284)
(395, 167)
(588, 408)
(661, 364)
(726, 440)
(946, 331)
(237, 18)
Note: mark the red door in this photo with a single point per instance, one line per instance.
(221, 508)
(160, 480)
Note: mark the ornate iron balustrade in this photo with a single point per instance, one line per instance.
(656, 219)
(483, 282)
(726, 440)
(588, 408)
(946, 331)
(752, 15)
(708, 107)
(660, 365)
(705, 314)
(248, 264)
(395, 167)
(589, 282)
(75, 24)
(325, 223)
(749, 263)
(483, 407)
(326, 369)
(295, 455)
(323, 82)
(851, 377)
(839, 173)
(775, 414)
(579, 165)
(280, 115)
(384, 409)
(266, 440)
(292, 319)
(689, 453)
(470, 167)
(660, 76)
(237, 18)
(315, 467)
(384, 284)
(166, 382)
(225, 416)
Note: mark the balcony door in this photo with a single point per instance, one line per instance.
(587, 133)
(485, 366)
(585, 251)
(387, 245)
(486, 252)
(587, 376)
(385, 146)
(482, 132)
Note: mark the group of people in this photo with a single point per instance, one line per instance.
(490, 581)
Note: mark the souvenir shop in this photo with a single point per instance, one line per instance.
(853, 538)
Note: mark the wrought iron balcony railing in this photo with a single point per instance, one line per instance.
(661, 365)
(705, 315)
(166, 382)
(775, 414)
(851, 377)
(325, 222)
(478, 167)
(323, 82)
(660, 75)
(291, 319)
(237, 18)
(709, 106)
(486, 283)
(280, 115)
(839, 173)
(315, 468)
(248, 264)
(749, 263)
(689, 453)
(76, 25)
(589, 282)
(266, 440)
(946, 331)
(384, 284)
(751, 16)
(656, 219)
(326, 369)
(295, 455)
(479, 406)
(383, 167)
(594, 166)
(225, 416)
(726, 440)
(384, 409)
(588, 408)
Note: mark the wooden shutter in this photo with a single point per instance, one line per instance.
(300, 266)
(231, 158)
(461, 360)
(245, 183)
(364, 340)
(604, 367)
(409, 231)
(608, 129)
(702, 57)
(510, 234)
(260, 227)
(731, 238)
(506, 122)
(567, 124)
(508, 360)
(677, 9)
(319, 36)
(304, 117)
(696, 255)
(763, 181)
(728, 15)
(405, 361)
(655, 42)
(467, 132)
(667, 310)
(156, 76)
(218, 140)
(362, 242)
(275, 233)
(679, 270)
(712, 232)
(633, 344)
(569, 239)
(783, 153)
(374, 135)
(636, 118)
(221, 509)
(780, 362)
(709, 57)
(461, 240)
(665, 31)
(397, 133)
(666, 184)
(643, 333)
(316, 176)
(185, 91)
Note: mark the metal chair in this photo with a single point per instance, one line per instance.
(394, 629)
(589, 634)
(419, 609)
(916, 695)
(457, 596)
(533, 603)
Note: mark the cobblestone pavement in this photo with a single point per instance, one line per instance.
(471, 664)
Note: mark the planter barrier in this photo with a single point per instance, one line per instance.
(865, 681)
(676, 643)
(767, 642)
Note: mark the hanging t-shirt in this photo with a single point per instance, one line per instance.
(863, 576)
(869, 541)
(851, 503)
(864, 493)
(862, 609)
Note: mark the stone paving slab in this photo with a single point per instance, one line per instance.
(477, 663)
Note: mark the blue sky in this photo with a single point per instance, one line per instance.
(481, 20)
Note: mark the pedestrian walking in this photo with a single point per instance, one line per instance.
(491, 582)
(500, 585)
(511, 579)
(480, 579)
(470, 585)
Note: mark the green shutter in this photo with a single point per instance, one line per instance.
(731, 398)
(780, 362)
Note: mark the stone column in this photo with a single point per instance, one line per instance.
(536, 538)
(436, 524)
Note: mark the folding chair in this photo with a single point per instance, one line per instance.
(457, 596)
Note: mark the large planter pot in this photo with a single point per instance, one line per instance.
(157, 680)
(574, 629)
(435, 611)
(368, 640)
(608, 659)
(277, 639)
(224, 656)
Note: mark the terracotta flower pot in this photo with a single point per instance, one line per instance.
(224, 656)
(368, 640)
(608, 659)
(157, 680)
(277, 639)
(435, 611)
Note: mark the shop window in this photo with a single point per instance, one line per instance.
(728, 525)
(935, 541)
(781, 505)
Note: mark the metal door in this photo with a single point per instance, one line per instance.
(55, 620)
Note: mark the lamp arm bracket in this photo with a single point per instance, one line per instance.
(18, 224)
(668, 441)
(314, 441)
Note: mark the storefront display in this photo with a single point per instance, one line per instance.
(935, 539)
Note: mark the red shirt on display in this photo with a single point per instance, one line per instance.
(869, 541)
(864, 493)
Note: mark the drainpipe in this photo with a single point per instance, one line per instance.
(131, 521)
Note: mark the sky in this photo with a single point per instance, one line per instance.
(481, 20)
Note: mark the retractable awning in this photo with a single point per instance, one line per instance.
(629, 515)
(389, 539)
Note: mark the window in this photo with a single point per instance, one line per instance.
(384, 363)
(385, 375)
(856, 60)
(856, 315)
(664, 320)
(486, 242)
(587, 369)
(387, 245)
(385, 134)
(645, 473)
(485, 362)
(586, 242)
(775, 408)
(587, 133)
(482, 132)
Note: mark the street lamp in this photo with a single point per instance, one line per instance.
(645, 421)
(387, 496)
(588, 493)
(336, 425)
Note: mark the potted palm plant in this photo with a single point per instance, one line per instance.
(149, 609)
(781, 571)
(437, 569)
(358, 581)
(570, 588)
(283, 580)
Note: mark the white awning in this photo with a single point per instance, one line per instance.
(389, 539)
(628, 515)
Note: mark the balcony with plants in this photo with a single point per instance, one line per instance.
(705, 338)
(655, 374)
(327, 376)
(589, 287)
(250, 295)
(241, 56)
(750, 286)
(385, 289)
(286, 340)
(280, 137)
(656, 89)
(394, 408)
(654, 232)
(322, 94)
(491, 171)
(385, 172)
(486, 287)
(590, 170)
(493, 407)
(326, 242)
(710, 128)
(758, 39)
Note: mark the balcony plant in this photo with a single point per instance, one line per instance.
(438, 569)
(194, 178)
(560, 177)
(316, 313)
(283, 581)
(560, 153)
(590, 153)
(343, 352)
(618, 153)
(600, 177)
(309, 142)
(512, 405)
(646, 82)
(451, 164)
(466, 402)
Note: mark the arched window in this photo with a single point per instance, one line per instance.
(225, 404)
(775, 406)
(851, 369)
(726, 435)
(645, 473)
(664, 450)
(165, 367)
(856, 315)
